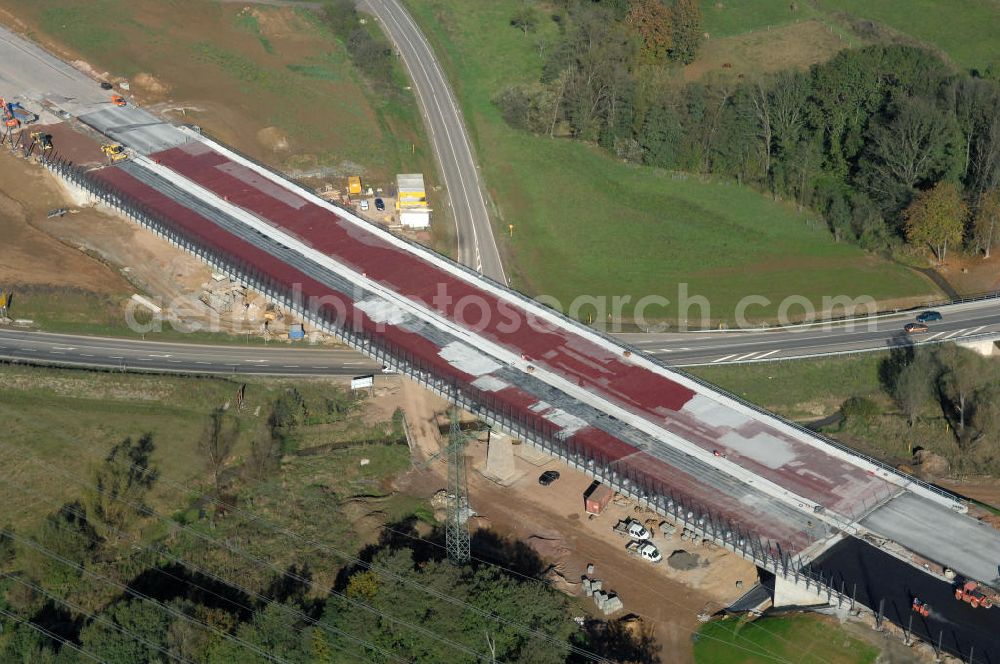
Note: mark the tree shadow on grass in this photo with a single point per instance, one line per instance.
(176, 581)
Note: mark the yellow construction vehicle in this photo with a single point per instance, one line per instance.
(115, 151)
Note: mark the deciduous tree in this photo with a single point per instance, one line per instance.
(525, 19)
(121, 484)
(986, 222)
(961, 375)
(686, 18)
(216, 444)
(912, 148)
(936, 218)
(913, 387)
(652, 20)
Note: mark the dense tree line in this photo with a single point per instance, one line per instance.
(953, 383)
(888, 143)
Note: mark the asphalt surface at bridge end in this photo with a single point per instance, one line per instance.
(878, 577)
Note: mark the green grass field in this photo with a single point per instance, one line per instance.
(803, 639)
(72, 418)
(59, 424)
(72, 311)
(734, 17)
(268, 66)
(800, 389)
(966, 30)
(585, 223)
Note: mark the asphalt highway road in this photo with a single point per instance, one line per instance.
(279, 359)
(477, 247)
(973, 320)
(965, 321)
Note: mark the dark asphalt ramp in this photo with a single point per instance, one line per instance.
(875, 576)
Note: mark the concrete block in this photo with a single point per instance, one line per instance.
(611, 604)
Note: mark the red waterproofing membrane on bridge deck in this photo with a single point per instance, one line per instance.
(795, 465)
(592, 442)
(764, 450)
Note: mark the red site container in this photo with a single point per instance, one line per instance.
(596, 498)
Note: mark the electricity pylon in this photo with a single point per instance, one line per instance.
(457, 527)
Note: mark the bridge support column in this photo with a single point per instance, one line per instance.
(500, 459)
(984, 347)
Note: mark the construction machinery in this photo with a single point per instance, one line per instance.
(118, 100)
(43, 139)
(8, 114)
(21, 114)
(115, 151)
(972, 594)
(921, 608)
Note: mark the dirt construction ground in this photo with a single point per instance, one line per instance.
(87, 248)
(30, 254)
(552, 521)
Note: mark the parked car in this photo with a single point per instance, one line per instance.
(380, 205)
(929, 317)
(548, 477)
(633, 529)
(914, 328)
(644, 550)
(364, 206)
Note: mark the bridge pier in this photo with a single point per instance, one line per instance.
(984, 347)
(500, 459)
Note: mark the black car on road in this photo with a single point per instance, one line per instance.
(929, 317)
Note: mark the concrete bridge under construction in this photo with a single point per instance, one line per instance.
(762, 486)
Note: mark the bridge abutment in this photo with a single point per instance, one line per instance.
(985, 347)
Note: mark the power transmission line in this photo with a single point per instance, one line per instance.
(362, 564)
(457, 525)
(96, 617)
(140, 596)
(215, 577)
(142, 509)
(52, 635)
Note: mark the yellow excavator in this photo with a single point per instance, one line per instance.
(115, 151)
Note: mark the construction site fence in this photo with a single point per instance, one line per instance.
(720, 529)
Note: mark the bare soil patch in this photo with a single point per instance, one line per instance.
(796, 45)
(31, 255)
(970, 274)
